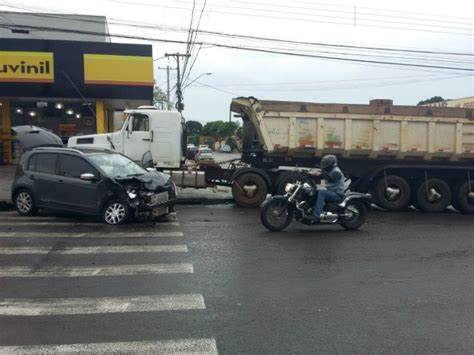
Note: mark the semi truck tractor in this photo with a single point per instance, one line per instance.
(402, 155)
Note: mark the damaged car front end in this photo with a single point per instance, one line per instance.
(151, 195)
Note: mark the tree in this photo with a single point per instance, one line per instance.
(194, 128)
(219, 130)
(432, 100)
(160, 99)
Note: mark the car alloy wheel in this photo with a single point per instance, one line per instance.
(115, 213)
(24, 202)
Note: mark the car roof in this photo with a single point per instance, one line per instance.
(81, 151)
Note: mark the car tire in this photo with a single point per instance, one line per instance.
(115, 213)
(25, 203)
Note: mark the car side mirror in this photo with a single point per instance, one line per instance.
(88, 177)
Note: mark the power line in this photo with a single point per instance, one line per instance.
(222, 34)
(42, 28)
(248, 14)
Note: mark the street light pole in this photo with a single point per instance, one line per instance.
(199, 76)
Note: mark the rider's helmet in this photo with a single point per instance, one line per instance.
(328, 162)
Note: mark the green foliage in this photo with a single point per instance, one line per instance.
(160, 98)
(194, 128)
(219, 130)
(193, 140)
(432, 100)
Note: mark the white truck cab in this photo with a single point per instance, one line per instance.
(145, 129)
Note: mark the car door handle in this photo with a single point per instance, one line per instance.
(146, 139)
(60, 181)
(32, 177)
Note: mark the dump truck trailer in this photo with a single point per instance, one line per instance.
(402, 155)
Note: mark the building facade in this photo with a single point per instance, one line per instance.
(71, 86)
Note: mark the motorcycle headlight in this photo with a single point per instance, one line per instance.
(289, 187)
(131, 193)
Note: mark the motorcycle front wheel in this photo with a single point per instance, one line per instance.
(355, 215)
(275, 214)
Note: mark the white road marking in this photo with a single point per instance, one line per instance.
(177, 347)
(16, 222)
(104, 234)
(95, 305)
(103, 270)
(103, 249)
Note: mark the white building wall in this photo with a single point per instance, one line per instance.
(15, 20)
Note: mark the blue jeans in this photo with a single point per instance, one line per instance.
(323, 197)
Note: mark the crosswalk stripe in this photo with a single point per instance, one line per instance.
(13, 223)
(178, 347)
(96, 305)
(103, 270)
(104, 234)
(108, 249)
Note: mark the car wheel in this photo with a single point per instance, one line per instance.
(25, 203)
(115, 212)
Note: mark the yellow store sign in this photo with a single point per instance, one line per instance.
(118, 70)
(35, 67)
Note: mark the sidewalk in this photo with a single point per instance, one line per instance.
(7, 174)
(187, 196)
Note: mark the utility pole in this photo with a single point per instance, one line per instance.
(179, 93)
(168, 87)
(168, 84)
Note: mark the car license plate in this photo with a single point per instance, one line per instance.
(160, 211)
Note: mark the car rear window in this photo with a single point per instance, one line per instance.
(45, 163)
(71, 166)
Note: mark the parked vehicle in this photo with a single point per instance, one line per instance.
(92, 182)
(30, 137)
(204, 154)
(402, 155)
(297, 204)
(202, 146)
(225, 149)
(191, 152)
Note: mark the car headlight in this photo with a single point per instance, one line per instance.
(289, 187)
(131, 193)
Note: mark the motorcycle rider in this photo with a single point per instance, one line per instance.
(334, 181)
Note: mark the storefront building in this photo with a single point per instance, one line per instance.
(70, 87)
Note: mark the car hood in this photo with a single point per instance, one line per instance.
(31, 137)
(152, 180)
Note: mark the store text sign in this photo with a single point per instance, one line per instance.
(104, 69)
(29, 67)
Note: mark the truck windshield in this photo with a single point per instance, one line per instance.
(118, 166)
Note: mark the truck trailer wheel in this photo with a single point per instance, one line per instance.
(463, 199)
(392, 193)
(249, 190)
(433, 195)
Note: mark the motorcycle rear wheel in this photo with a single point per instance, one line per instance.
(275, 214)
(359, 213)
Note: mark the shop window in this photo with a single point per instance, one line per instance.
(71, 166)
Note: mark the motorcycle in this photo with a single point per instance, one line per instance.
(297, 203)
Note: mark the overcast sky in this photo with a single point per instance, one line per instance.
(415, 25)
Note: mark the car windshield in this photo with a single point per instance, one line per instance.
(117, 165)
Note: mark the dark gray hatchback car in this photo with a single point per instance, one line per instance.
(92, 182)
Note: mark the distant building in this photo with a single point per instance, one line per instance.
(70, 24)
(62, 72)
(465, 102)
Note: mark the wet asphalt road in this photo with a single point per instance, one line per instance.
(404, 284)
